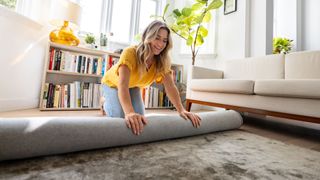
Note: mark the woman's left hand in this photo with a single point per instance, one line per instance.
(195, 119)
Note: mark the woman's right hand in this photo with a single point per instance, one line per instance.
(135, 122)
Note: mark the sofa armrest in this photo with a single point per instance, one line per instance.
(205, 73)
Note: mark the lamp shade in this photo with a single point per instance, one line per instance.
(65, 10)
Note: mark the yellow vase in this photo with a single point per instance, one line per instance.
(64, 36)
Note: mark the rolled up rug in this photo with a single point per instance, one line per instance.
(39, 136)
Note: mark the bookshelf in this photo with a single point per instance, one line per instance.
(71, 77)
(154, 96)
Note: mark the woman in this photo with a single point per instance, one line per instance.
(138, 67)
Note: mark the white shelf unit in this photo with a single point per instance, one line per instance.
(60, 77)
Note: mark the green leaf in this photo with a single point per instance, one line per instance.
(197, 6)
(180, 21)
(215, 4)
(185, 28)
(138, 37)
(177, 12)
(186, 12)
(207, 17)
(189, 41)
(281, 45)
(202, 1)
(197, 19)
(203, 31)
(199, 40)
(184, 34)
(174, 27)
(188, 20)
(165, 9)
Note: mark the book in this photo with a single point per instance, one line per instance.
(45, 95)
(56, 96)
(51, 58)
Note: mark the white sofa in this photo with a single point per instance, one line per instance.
(277, 85)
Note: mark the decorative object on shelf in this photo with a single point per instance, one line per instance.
(119, 51)
(103, 40)
(230, 6)
(281, 45)
(67, 15)
(91, 40)
(188, 23)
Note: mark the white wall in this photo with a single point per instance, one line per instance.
(285, 20)
(261, 27)
(298, 20)
(232, 33)
(310, 25)
(22, 47)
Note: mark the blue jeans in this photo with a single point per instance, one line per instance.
(112, 104)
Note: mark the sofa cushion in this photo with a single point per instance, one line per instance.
(302, 65)
(266, 67)
(307, 88)
(223, 85)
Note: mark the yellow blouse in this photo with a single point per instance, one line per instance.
(129, 57)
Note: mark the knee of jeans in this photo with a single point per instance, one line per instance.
(113, 112)
(140, 110)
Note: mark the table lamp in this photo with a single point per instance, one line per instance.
(67, 16)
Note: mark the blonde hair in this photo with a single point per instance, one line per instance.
(144, 52)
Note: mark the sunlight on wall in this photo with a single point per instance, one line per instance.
(21, 56)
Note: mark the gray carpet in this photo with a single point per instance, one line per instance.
(223, 155)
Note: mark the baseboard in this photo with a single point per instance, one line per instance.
(18, 104)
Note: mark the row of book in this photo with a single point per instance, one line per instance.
(111, 61)
(72, 95)
(67, 61)
(176, 74)
(154, 97)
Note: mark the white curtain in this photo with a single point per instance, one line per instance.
(37, 10)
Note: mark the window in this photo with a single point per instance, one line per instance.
(124, 18)
(208, 48)
(11, 4)
(148, 7)
(120, 20)
(91, 15)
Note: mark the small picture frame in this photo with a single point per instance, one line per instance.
(230, 6)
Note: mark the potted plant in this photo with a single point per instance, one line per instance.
(281, 45)
(90, 39)
(188, 22)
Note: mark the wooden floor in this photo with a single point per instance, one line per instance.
(300, 136)
(290, 134)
